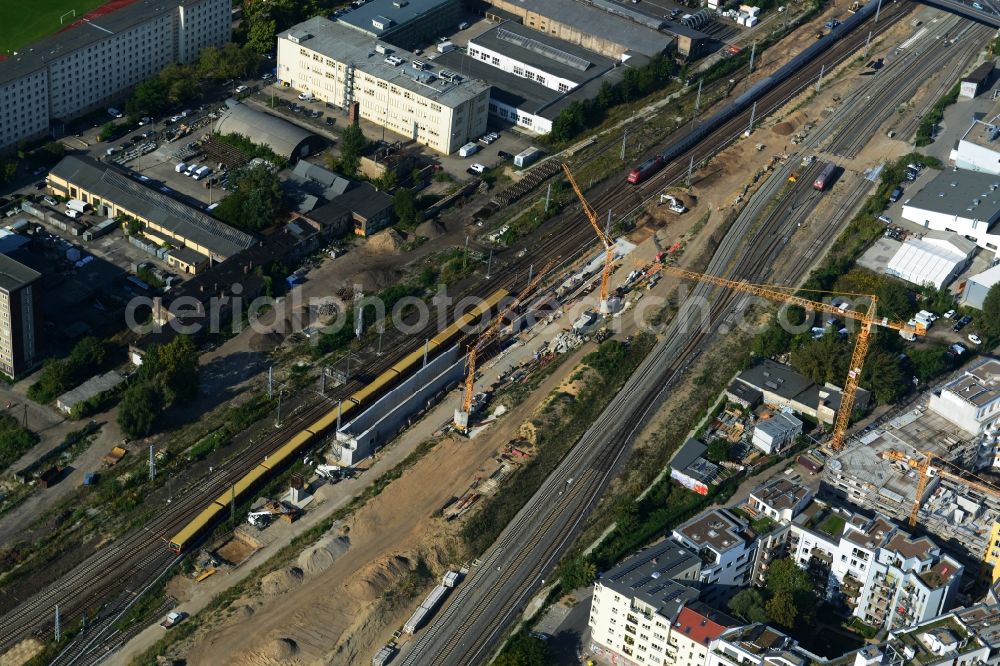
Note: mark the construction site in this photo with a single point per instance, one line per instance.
(911, 466)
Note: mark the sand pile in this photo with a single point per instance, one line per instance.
(388, 240)
(326, 551)
(375, 280)
(280, 581)
(783, 129)
(430, 229)
(378, 577)
(281, 649)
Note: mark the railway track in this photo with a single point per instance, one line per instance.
(136, 556)
(897, 83)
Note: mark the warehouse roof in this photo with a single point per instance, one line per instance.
(536, 49)
(14, 274)
(278, 134)
(980, 74)
(181, 219)
(779, 425)
(593, 21)
(364, 201)
(91, 388)
(930, 260)
(987, 278)
(344, 44)
(969, 194)
(83, 33)
(689, 452)
(390, 14)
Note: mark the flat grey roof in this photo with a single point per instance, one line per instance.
(83, 33)
(716, 528)
(92, 387)
(594, 21)
(345, 44)
(183, 220)
(648, 575)
(14, 274)
(537, 49)
(980, 74)
(364, 200)
(978, 385)
(953, 192)
(689, 452)
(187, 255)
(400, 12)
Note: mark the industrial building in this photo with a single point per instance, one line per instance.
(978, 285)
(977, 80)
(775, 434)
(782, 386)
(966, 203)
(20, 317)
(391, 87)
(407, 24)
(88, 390)
(609, 28)
(286, 140)
(99, 58)
(935, 260)
(112, 193)
(335, 205)
(977, 149)
(726, 546)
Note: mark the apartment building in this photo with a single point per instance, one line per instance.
(96, 61)
(635, 604)
(391, 87)
(777, 433)
(727, 548)
(754, 645)
(779, 499)
(972, 400)
(20, 317)
(690, 636)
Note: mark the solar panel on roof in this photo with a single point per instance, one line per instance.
(538, 47)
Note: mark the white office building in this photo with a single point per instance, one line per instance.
(96, 61)
(966, 203)
(393, 88)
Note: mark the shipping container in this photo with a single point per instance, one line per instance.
(527, 157)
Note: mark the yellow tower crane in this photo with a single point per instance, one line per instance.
(609, 243)
(781, 294)
(462, 415)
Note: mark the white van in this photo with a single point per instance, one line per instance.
(180, 167)
(201, 172)
(72, 213)
(468, 149)
(191, 169)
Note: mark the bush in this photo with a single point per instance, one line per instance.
(88, 357)
(15, 440)
(934, 116)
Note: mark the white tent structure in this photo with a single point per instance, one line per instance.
(933, 260)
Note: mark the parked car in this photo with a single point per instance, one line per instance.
(896, 194)
(950, 314)
(974, 339)
(173, 618)
(504, 155)
(50, 201)
(306, 96)
(476, 169)
(114, 113)
(885, 218)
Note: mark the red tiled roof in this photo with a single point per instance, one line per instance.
(697, 627)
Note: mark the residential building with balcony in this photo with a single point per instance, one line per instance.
(726, 547)
(972, 400)
(779, 499)
(755, 645)
(635, 604)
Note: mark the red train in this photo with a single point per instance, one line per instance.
(825, 178)
(646, 169)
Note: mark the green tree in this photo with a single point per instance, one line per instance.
(177, 365)
(989, 320)
(352, 147)
(929, 362)
(55, 149)
(823, 360)
(8, 170)
(749, 605)
(782, 609)
(255, 201)
(882, 375)
(577, 572)
(772, 341)
(108, 131)
(718, 450)
(404, 204)
(148, 99)
(784, 575)
(140, 406)
(261, 29)
(524, 650)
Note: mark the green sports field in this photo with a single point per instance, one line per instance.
(27, 22)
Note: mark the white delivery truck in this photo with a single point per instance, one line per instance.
(201, 172)
(446, 47)
(191, 169)
(180, 167)
(468, 149)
